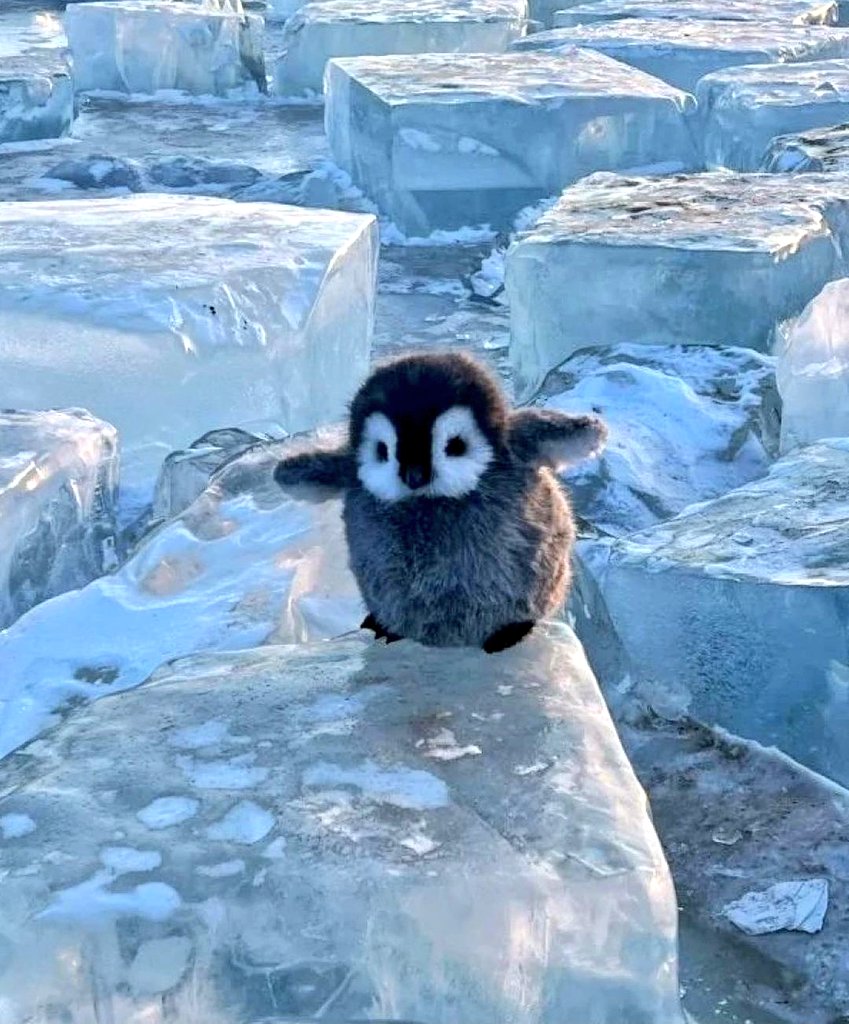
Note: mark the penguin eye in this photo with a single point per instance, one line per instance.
(382, 451)
(456, 446)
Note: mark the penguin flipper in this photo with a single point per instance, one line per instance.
(507, 636)
(546, 437)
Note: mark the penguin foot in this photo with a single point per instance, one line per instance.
(507, 636)
(370, 622)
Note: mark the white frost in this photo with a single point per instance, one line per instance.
(167, 811)
(246, 823)
(16, 826)
(408, 788)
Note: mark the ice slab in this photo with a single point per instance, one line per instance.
(744, 109)
(143, 46)
(735, 611)
(686, 424)
(798, 12)
(173, 315)
(705, 258)
(813, 369)
(58, 483)
(444, 141)
(822, 149)
(360, 875)
(323, 29)
(681, 54)
(243, 565)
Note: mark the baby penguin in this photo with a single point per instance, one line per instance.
(458, 531)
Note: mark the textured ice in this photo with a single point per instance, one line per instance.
(823, 149)
(36, 97)
(170, 316)
(408, 888)
(143, 46)
(58, 481)
(172, 143)
(245, 564)
(707, 258)
(351, 28)
(735, 611)
(686, 424)
(813, 369)
(681, 54)
(800, 12)
(744, 109)
(443, 141)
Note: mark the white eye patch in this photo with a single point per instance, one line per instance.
(377, 463)
(460, 453)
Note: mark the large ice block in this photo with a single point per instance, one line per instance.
(705, 258)
(245, 564)
(58, 483)
(173, 315)
(822, 149)
(341, 831)
(143, 46)
(813, 369)
(36, 97)
(744, 109)
(443, 141)
(681, 54)
(799, 12)
(735, 611)
(351, 28)
(686, 424)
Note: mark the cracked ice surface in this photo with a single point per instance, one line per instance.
(744, 109)
(350, 28)
(237, 311)
(706, 258)
(681, 54)
(359, 878)
(141, 46)
(735, 611)
(813, 369)
(58, 481)
(414, 132)
(244, 565)
(800, 12)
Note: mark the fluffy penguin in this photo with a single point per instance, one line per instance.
(458, 530)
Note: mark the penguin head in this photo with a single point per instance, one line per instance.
(427, 426)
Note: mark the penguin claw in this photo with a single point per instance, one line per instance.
(507, 636)
(370, 622)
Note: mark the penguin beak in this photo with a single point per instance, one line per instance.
(415, 477)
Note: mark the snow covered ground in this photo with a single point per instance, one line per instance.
(188, 251)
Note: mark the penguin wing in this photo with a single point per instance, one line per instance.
(331, 469)
(545, 437)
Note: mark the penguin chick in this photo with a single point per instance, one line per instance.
(458, 530)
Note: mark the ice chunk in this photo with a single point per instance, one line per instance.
(351, 28)
(281, 10)
(797, 906)
(707, 258)
(58, 481)
(813, 369)
(734, 612)
(442, 141)
(171, 316)
(185, 474)
(743, 109)
(36, 98)
(408, 889)
(143, 46)
(686, 424)
(823, 149)
(681, 54)
(799, 12)
(244, 564)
